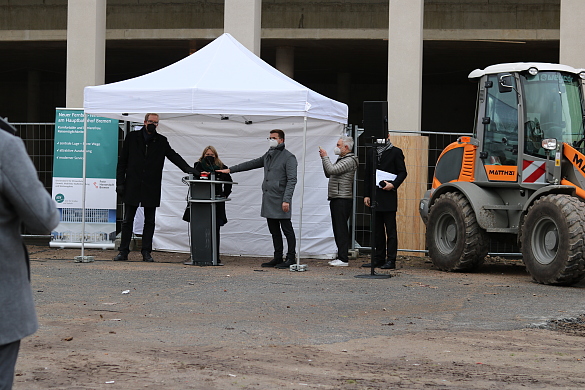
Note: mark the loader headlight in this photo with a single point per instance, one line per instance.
(532, 71)
(549, 144)
(582, 75)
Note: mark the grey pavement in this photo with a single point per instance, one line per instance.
(244, 304)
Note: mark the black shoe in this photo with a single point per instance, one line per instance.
(272, 263)
(377, 264)
(286, 264)
(147, 257)
(390, 264)
(122, 256)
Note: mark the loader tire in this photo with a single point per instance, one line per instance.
(454, 238)
(553, 246)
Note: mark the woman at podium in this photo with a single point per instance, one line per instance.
(207, 164)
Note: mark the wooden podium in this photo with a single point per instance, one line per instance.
(203, 222)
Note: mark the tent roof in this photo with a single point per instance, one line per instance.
(222, 79)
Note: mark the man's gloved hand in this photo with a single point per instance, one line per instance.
(192, 171)
(120, 190)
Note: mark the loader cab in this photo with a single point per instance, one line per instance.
(553, 109)
(519, 106)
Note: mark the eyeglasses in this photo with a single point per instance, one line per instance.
(153, 122)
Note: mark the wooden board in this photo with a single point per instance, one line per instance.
(411, 228)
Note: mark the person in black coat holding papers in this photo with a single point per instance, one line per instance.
(389, 159)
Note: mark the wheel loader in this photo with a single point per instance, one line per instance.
(521, 175)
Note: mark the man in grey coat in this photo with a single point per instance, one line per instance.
(23, 200)
(340, 194)
(280, 178)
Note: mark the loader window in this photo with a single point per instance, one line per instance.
(553, 105)
(501, 133)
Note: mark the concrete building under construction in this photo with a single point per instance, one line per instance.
(416, 54)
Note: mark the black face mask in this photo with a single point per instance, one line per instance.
(210, 160)
(151, 128)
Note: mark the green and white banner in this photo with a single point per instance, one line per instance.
(100, 179)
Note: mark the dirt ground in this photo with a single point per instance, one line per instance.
(136, 325)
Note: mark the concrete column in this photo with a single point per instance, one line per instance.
(86, 47)
(405, 47)
(242, 19)
(285, 60)
(572, 31)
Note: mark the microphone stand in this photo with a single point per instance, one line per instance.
(373, 205)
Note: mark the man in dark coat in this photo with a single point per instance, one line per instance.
(24, 201)
(280, 178)
(138, 181)
(390, 159)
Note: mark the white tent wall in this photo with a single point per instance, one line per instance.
(224, 79)
(246, 232)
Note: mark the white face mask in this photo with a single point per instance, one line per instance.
(272, 143)
(337, 151)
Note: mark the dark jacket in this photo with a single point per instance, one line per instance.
(139, 173)
(280, 178)
(392, 160)
(220, 190)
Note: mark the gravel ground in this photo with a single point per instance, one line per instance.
(130, 325)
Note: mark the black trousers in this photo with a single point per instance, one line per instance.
(386, 236)
(128, 224)
(340, 212)
(8, 356)
(274, 226)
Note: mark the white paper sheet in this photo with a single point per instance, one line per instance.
(383, 175)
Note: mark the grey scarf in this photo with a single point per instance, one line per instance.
(383, 148)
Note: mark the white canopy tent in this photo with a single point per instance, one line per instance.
(224, 95)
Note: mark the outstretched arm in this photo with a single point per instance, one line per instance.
(179, 161)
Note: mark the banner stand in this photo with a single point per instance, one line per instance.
(83, 258)
(84, 181)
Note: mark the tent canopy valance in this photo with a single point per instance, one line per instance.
(223, 78)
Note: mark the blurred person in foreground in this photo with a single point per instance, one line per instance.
(23, 201)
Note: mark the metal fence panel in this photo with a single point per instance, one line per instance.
(39, 142)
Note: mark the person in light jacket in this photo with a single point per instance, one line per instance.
(340, 194)
(280, 178)
(23, 201)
